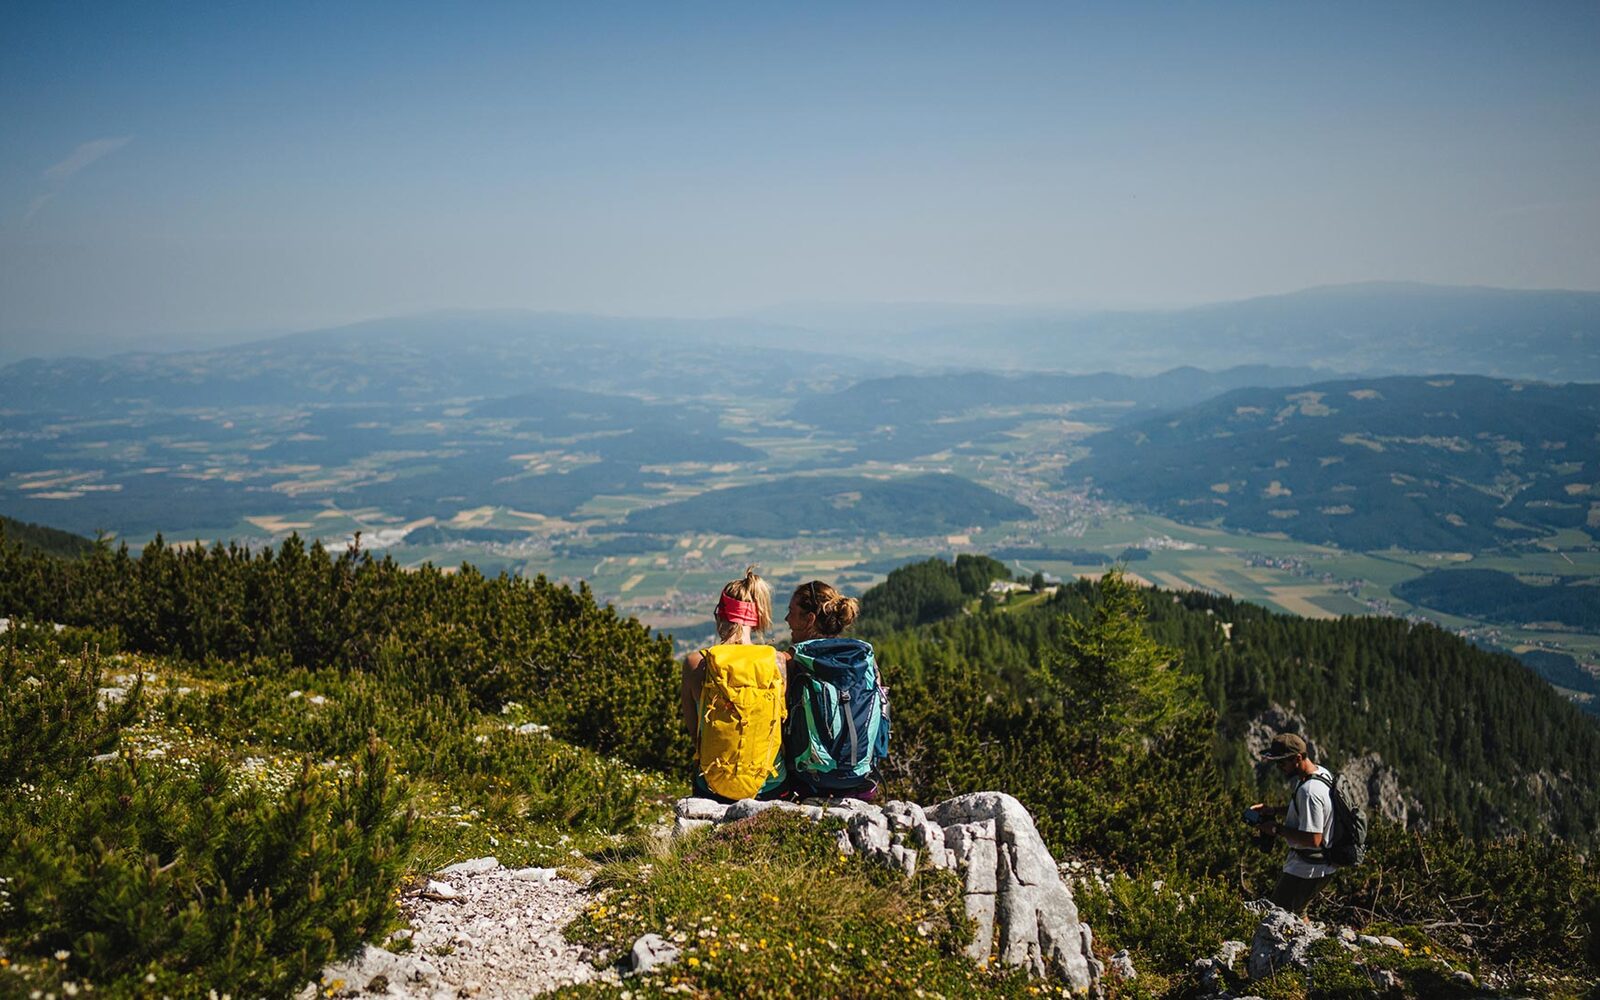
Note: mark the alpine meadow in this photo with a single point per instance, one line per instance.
(839, 501)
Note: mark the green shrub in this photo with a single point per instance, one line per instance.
(153, 879)
(50, 720)
(438, 737)
(1166, 923)
(1511, 899)
(597, 679)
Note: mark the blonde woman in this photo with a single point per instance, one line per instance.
(733, 699)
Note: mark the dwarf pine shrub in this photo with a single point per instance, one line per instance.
(506, 768)
(50, 722)
(1512, 899)
(1165, 922)
(148, 879)
(597, 679)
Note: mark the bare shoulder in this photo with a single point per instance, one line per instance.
(693, 660)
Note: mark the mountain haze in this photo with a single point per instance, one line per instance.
(1378, 327)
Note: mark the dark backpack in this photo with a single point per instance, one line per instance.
(838, 726)
(1348, 845)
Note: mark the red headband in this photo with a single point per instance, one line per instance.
(731, 609)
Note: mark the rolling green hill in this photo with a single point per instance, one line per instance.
(933, 504)
(1437, 463)
(903, 416)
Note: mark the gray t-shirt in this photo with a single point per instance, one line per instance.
(1310, 811)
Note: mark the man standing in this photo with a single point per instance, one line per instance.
(1307, 823)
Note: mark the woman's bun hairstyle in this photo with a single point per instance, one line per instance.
(749, 587)
(835, 612)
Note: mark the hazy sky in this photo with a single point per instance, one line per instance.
(218, 167)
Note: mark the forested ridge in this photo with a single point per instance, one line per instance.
(1476, 736)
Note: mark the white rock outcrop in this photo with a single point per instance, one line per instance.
(1282, 940)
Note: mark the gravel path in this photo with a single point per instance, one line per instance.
(477, 931)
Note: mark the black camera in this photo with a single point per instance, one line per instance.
(1255, 817)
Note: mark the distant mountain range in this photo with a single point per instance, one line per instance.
(1376, 327)
(1379, 328)
(1440, 463)
(433, 358)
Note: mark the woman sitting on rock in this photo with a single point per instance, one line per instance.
(733, 699)
(838, 725)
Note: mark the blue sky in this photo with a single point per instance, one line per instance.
(209, 169)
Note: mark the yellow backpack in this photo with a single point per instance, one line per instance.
(741, 719)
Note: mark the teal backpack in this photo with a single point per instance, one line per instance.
(838, 727)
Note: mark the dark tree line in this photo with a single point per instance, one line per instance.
(598, 679)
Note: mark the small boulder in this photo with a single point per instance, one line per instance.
(1122, 965)
(534, 874)
(440, 890)
(745, 808)
(1281, 939)
(697, 808)
(477, 866)
(374, 965)
(652, 952)
(683, 827)
(1229, 953)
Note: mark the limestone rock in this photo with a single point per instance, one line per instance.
(1035, 920)
(440, 890)
(1375, 787)
(745, 808)
(1122, 965)
(477, 866)
(534, 874)
(651, 952)
(1229, 953)
(695, 808)
(1281, 939)
(683, 827)
(370, 967)
(1273, 720)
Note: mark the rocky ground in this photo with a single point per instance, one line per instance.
(476, 930)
